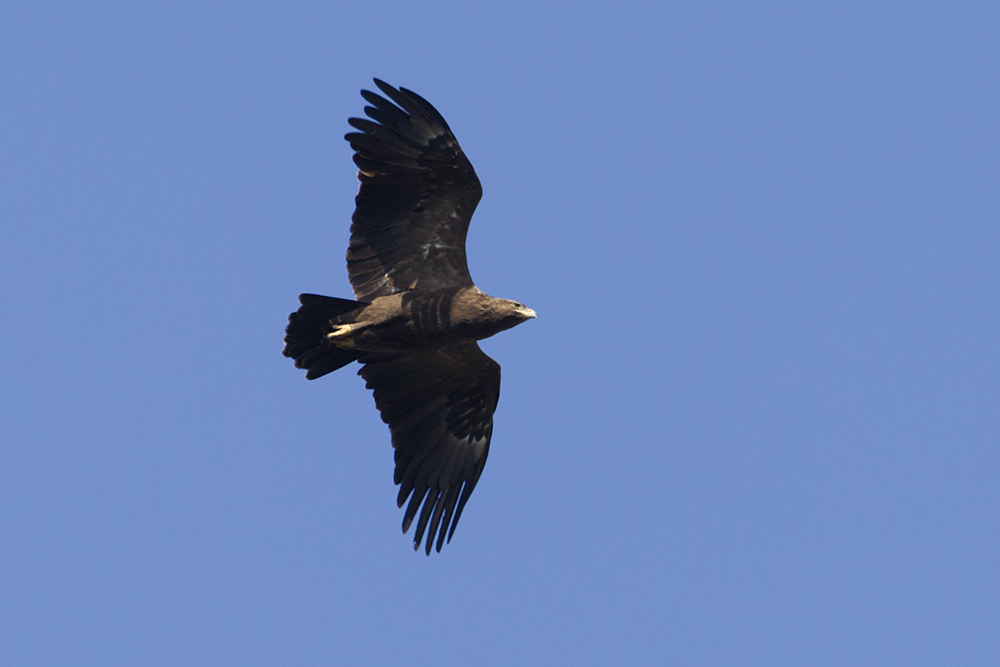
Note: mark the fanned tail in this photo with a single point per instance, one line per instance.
(305, 336)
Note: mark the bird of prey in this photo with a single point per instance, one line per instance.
(416, 315)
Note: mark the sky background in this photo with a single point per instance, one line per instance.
(756, 423)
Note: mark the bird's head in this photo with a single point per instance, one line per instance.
(523, 311)
(518, 312)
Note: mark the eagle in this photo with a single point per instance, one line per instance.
(416, 314)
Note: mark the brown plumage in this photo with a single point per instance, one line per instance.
(417, 314)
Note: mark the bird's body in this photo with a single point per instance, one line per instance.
(419, 320)
(417, 314)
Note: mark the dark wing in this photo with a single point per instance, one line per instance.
(418, 192)
(439, 406)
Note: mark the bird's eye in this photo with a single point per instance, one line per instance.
(518, 305)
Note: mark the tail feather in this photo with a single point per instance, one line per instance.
(305, 336)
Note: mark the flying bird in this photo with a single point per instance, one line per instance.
(416, 314)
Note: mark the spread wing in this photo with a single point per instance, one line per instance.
(418, 192)
(439, 406)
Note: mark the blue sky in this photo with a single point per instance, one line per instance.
(756, 422)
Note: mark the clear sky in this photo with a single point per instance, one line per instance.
(756, 422)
